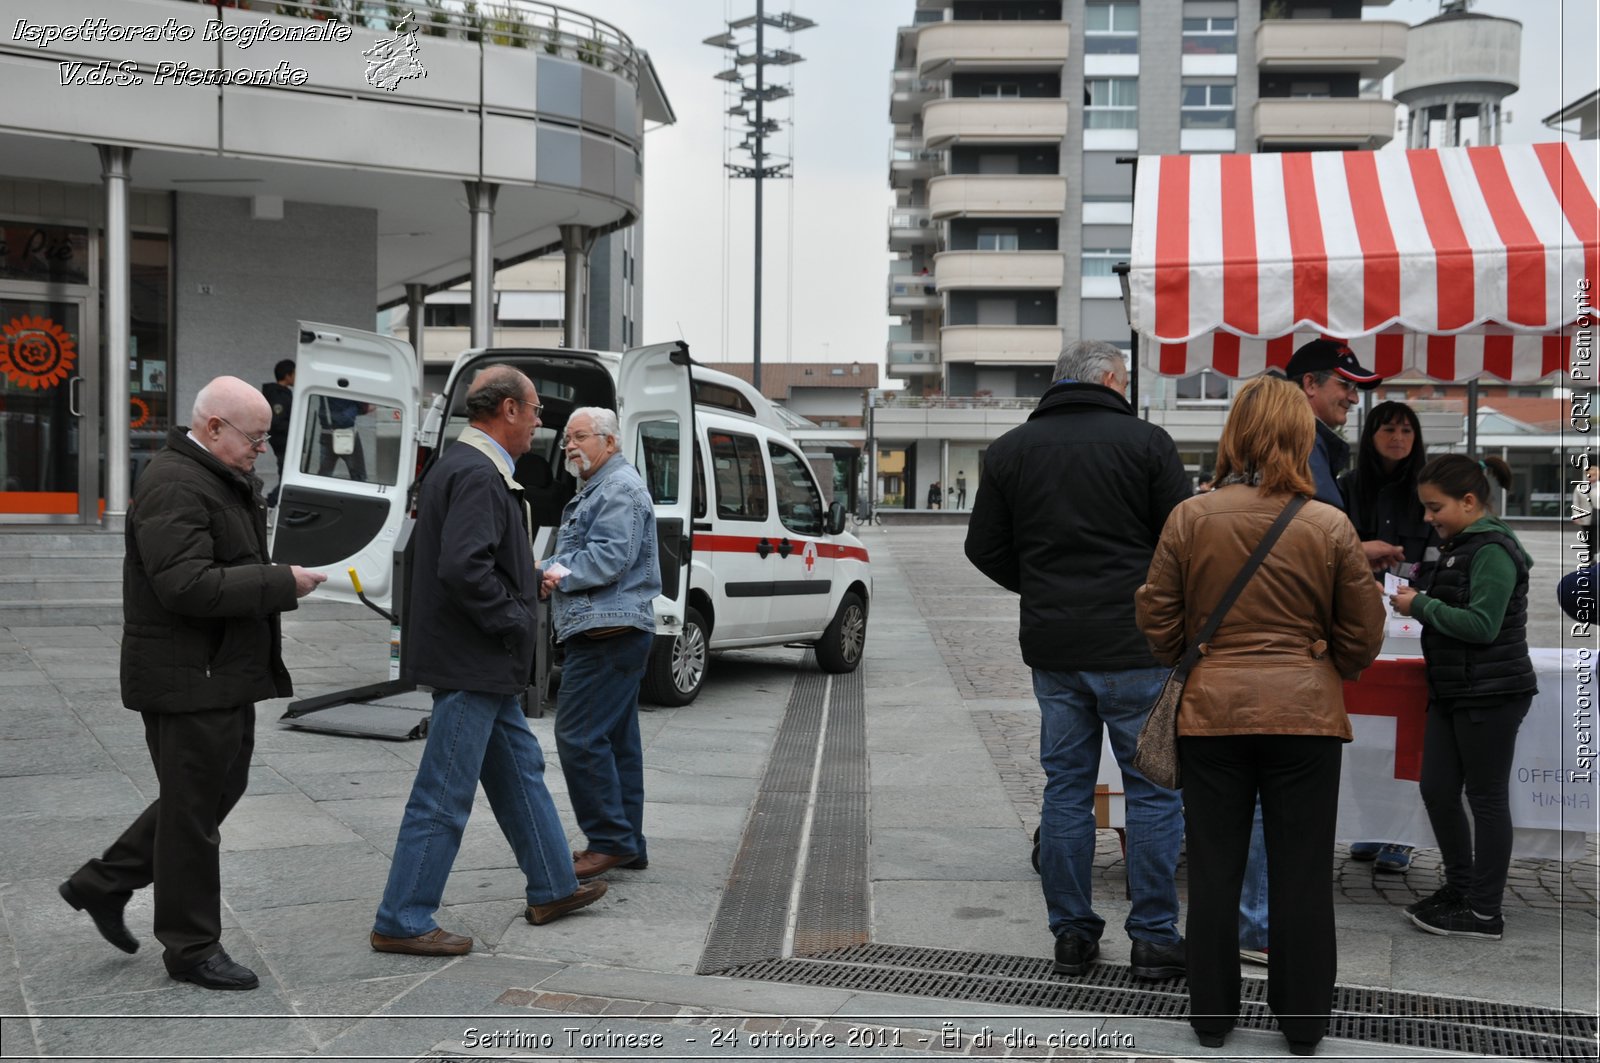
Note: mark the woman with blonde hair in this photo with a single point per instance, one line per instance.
(1262, 715)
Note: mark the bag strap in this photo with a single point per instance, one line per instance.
(1191, 657)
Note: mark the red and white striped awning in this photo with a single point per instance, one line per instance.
(1457, 261)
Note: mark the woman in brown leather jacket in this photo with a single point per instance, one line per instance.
(1263, 711)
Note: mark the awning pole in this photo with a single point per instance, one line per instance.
(1472, 418)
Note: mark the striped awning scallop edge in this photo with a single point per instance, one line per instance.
(1457, 262)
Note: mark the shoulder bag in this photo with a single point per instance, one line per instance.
(1156, 754)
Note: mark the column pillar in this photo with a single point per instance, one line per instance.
(480, 202)
(1451, 133)
(576, 243)
(416, 299)
(114, 171)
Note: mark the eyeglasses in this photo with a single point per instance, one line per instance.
(577, 437)
(538, 407)
(256, 442)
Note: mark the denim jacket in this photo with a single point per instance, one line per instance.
(607, 541)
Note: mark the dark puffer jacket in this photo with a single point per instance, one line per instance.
(1068, 513)
(200, 601)
(1466, 672)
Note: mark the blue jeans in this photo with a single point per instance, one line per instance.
(1253, 894)
(473, 738)
(1072, 708)
(597, 735)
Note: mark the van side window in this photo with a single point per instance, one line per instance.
(740, 476)
(799, 501)
(347, 439)
(699, 485)
(657, 459)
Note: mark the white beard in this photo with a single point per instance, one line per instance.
(579, 467)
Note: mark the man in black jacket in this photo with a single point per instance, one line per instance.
(472, 633)
(280, 396)
(1068, 511)
(200, 646)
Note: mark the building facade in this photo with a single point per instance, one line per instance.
(1012, 119)
(182, 183)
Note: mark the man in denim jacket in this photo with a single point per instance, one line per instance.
(604, 578)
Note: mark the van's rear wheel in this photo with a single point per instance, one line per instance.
(839, 648)
(677, 668)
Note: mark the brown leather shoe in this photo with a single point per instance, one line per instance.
(586, 894)
(436, 942)
(589, 864)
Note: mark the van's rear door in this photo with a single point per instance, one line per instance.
(350, 458)
(655, 406)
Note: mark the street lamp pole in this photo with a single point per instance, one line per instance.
(759, 155)
(757, 126)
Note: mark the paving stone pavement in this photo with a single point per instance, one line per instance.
(974, 623)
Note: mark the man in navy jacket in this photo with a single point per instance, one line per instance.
(472, 635)
(1068, 511)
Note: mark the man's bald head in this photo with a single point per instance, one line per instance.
(230, 397)
(231, 419)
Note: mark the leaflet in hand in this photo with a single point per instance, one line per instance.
(558, 570)
(1400, 627)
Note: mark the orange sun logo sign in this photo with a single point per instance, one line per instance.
(35, 352)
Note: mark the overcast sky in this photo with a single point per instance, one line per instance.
(826, 300)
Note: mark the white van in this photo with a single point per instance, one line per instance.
(750, 554)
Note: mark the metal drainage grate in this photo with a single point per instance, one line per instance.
(1360, 1014)
(833, 909)
(752, 915)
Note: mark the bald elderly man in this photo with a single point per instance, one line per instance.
(200, 647)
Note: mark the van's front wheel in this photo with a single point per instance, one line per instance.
(677, 668)
(839, 648)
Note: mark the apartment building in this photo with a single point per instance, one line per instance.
(1012, 207)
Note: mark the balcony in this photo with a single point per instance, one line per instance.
(998, 269)
(908, 94)
(1372, 48)
(1356, 120)
(911, 227)
(944, 48)
(979, 121)
(909, 161)
(908, 293)
(907, 356)
(1000, 343)
(1003, 195)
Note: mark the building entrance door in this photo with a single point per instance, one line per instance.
(49, 409)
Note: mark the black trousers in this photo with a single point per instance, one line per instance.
(1472, 749)
(1297, 777)
(202, 762)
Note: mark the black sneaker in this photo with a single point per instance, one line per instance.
(1075, 954)
(1459, 920)
(1154, 962)
(1443, 897)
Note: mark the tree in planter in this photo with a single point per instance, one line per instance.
(508, 28)
(438, 19)
(471, 21)
(592, 51)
